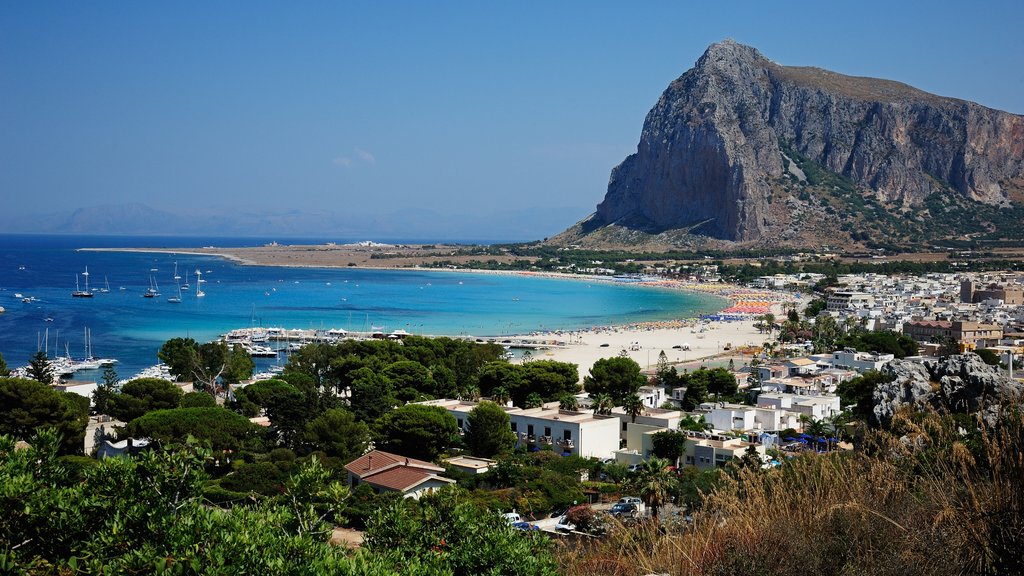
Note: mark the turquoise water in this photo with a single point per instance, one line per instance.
(131, 328)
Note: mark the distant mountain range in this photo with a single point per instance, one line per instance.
(427, 225)
(741, 151)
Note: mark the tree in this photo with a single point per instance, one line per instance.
(617, 377)
(825, 333)
(670, 445)
(4, 372)
(634, 406)
(28, 405)
(446, 532)
(696, 391)
(533, 401)
(105, 390)
(721, 382)
(372, 395)
(858, 393)
(197, 400)
(410, 374)
(568, 402)
(337, 433)
(148, 515)
(693, 423)
(654, 482)
(239, 365)
(488, 432)
(181, 356)
(221, 428)
(602, 404)
(416, 431)
(143, 395)
(39, 368)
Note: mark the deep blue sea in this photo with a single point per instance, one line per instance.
(131, 328)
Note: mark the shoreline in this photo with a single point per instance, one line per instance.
(682, 339)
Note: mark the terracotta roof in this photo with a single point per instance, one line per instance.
(378, 460)
(402, 478)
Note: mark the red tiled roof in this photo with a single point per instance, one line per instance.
(378, 460)
(402, 478)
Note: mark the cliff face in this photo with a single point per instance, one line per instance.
(714, 148)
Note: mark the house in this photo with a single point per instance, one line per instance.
(846, 300)
(565, 431)
(860, 361)
(705, 450)
(652, 396)
(816, 407)
(800, 366)
(657, 418)
(387, 472)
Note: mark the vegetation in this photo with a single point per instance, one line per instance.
(220, 428)
(885, 342)
(488, 432)
(942, 503)
(449, 535)
(143, 395)
(544, 380)
(26, 405)
(337, 433)
(618, 377)
(416, 431)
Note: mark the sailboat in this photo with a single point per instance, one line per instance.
(153, 290)
(82, 293)
(176, 299)
(106, 286)
(199, 284)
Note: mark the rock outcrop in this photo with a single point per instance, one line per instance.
(960, 383)
(718, 142)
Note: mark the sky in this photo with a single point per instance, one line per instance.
(470, 108)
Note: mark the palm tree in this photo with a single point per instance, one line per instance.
(603, 404)
(653, 482)
(634, 406)
(569, 402)
(500, 396)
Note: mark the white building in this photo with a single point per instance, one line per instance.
(816, 407)
(860, 361)
(580, 433)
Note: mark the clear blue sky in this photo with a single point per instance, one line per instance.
(376, 106)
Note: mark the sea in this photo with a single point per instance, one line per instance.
(123, 324)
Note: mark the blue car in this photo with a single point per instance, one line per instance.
(524, 526)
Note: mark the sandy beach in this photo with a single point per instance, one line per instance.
(682, 340)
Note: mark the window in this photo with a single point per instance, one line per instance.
(459, 420)
(529, 429)
(514, 427)
(623, 426)
(567, 435)
(547, 430)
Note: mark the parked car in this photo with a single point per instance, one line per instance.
(624, 510)
(635, 501)
(564, 525)
(634, 467)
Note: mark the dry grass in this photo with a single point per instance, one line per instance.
(928, 502)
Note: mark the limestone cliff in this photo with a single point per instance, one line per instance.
(738, 131)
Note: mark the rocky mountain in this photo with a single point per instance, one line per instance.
(742, 149)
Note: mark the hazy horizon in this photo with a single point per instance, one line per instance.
(453, 118)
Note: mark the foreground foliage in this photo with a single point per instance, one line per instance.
(147, 515)
(931, 497)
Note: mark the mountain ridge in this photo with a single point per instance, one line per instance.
(724, 156)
